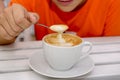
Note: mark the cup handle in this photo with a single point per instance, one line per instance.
(87, 52)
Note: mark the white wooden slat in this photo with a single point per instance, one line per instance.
(105, 48)
(99, 73)
(108, 48)
(99, 59)
(103, 40)
(17, 54)
(13, 66)
(27, 75)
(21, 45)
(104, 72)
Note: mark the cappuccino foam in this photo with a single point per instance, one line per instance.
(70, 40)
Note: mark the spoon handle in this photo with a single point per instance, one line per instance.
(42, 25)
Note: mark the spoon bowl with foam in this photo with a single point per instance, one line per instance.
(60, 28)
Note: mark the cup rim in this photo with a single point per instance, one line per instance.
(62, 46)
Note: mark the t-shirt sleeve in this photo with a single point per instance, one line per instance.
(112, 25)
(28, 4)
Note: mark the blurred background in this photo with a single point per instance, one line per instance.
(6, 2)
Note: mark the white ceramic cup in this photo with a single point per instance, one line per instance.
(64, 58)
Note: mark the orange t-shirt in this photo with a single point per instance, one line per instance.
(94, 18)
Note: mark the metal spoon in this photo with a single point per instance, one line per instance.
(43, 25)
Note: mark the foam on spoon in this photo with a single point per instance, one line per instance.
(59, 28)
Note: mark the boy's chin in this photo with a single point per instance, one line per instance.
(66, 9)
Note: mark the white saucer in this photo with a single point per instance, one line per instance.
(39, 65)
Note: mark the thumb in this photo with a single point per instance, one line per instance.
(33, 17)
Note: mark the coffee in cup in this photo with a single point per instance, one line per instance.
(69, 40)
(64, 55)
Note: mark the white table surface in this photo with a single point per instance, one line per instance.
(105, 53)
